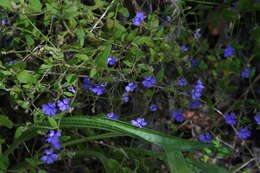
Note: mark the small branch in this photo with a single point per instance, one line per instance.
(103, 15)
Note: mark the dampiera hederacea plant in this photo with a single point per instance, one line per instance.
(153, 107)
(230, 118)
(184, 48)
(182, 81)
(64, 104)
(244, 133)
(197, 90)
(257, 118)
(205, 137)
(112, 116)
(246, 73)
(49, 156)
(98, 89)
(111, 60)
(139, 122)
(130, 87)
(178, 116)
(139, 18)
(149, 81)
(49, 109)
(87, 83)
(53, 139)
(229, 51)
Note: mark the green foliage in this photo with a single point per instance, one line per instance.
(50, 47)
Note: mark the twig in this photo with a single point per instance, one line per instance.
(103, 15)
(244, 165)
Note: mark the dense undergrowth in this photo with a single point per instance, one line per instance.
(129, 86)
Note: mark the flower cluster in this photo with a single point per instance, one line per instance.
(149, 81)
(230, 118)
(139, 18)
(112, 116)
(178, 116)
(246, 72)
(50, 108)
(54, 141)
(205, 137)
(229, 51)
(197, 90)
(139, 122)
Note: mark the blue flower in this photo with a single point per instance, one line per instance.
(130, 87)
(15, 61)
(139, 122)
(49, 109)
(168, 18)
(205, 137)
(194, 63)
(184, 48)
(98, 89)
(230, 118)
(53, 139)
(244, 133)
(229, 51)
(182, 82)
(139, 18)
(49, 156)
(64, 104)
(149, 81)
(197, 34)
(87, 84)
(246, 72)
(71, 89)
(111, 60)
(112, 116)
(257, 118)
(125, 97)
(178, 116)
(4, 21)
(194, 103)
(153, 107)
(197, 90)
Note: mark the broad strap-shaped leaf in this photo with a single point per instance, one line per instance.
(129, 130)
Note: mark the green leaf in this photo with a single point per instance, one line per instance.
(110, 165)
(26, 77)
(81, 36)
(4, 121)
(101, 59)
(7, 3)
(160, 75)
(169, 143)
(245, 4)
(176, 161)
(52, 122)
(35, 5)
(4, 162)
(206, 167)
(124, 12)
